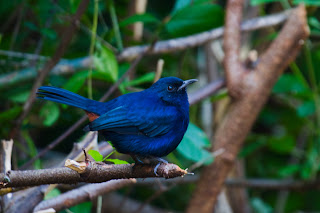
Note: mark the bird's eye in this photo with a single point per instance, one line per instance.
(170, 88)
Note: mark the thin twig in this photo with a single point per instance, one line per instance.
(82, 194)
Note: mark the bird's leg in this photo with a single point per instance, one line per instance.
(137, 159)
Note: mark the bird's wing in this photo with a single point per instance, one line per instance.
(147, 120)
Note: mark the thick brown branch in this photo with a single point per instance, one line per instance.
(233, 67)
(243, 111)
(94, 173)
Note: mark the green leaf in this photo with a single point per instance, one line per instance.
(50, 112)
(20, 97)
(307, 2)
(255, 142)
(193, 145)
(282, 145)
(106, 63)
(84, 207)
(49, 33)
(75, 83)
(32, 148)
(256, 2)
(146, 78)
(31, 26)
(289, 170)
(306, 109)
(10, 114)
(95, 155)
(116, 161)
(184, 3)
(259, 206)
(145, 18)
(52, 194)
(314, 22)
(195, 18)
(223, 93)
(289, 83)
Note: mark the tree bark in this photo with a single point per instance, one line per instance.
(250, 90)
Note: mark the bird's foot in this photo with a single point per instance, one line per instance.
(160, 161)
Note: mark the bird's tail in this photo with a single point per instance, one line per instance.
(65, 97)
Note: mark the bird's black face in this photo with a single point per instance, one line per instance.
(172, 89)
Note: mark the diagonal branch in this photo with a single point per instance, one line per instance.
(243, 111)
(203, 37)
(82, 194)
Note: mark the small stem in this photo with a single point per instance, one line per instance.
(285, 4)
(115, 25)
(92, 43)
(297, 72)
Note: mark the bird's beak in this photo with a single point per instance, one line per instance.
(186, 83)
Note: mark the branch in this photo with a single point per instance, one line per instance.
(70, 66)
(242, 113)
(199, 39)
(82, 194)
(68, 32)
(206, 91)
(252, 183)
(232, 36)
(94, 173)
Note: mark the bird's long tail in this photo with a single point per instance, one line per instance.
(66, 97)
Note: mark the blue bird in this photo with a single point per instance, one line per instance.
(146, 125)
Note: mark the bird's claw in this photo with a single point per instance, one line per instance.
(157, 166)
(156, 169)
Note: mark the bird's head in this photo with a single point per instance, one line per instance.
(172, 89)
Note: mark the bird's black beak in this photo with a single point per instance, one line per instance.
(186, 83)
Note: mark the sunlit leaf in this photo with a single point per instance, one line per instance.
(95, 155)
(145, 18)
(106, 63)
(53, 193)
(76, 81)
(195, 18)
(116, 161)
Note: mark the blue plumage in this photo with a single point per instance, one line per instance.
(150, 123)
